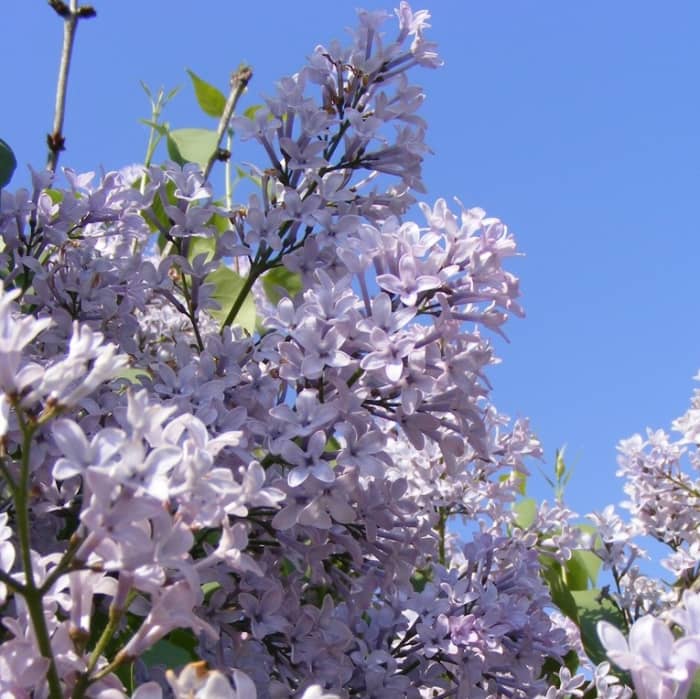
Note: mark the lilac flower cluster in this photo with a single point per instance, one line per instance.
(242, 432)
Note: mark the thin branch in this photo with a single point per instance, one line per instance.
(56, 140)
(239, 82)
(11, 583)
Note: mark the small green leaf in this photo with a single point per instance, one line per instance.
(279, 280)
(210, 98)
(146, 89)
(161, 129)
(228, 285)
(8, 163)
(525, 512)
(191, 145)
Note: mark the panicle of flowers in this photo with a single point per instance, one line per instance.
(278, 492)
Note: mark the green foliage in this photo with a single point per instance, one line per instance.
(553, 573)
(584, 566)
(593, 607)
(174, 651)
(573, 584)
(132, 374)
(550, 668)
(421, 577)
(200, 245)
(695, 687)
(228, 286)
(515, 476)
(210, 98)
(192, 146)
(278, 280)
(8, 163)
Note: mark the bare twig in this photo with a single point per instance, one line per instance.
(239, 82)
(71, 15)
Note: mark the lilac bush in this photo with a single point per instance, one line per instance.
(234, 435)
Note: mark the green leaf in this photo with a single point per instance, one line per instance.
(584, 566)
(593, 608)
(8, 163)
(191, 145)
(228, 285)
(210, 98)
(279, 280)
(580, 569)
(525, 512)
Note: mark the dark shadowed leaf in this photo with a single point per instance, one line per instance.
(592, 608)
(8, 163)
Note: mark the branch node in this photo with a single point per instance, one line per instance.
(56, 142)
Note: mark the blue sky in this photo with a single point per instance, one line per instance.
(576, 123)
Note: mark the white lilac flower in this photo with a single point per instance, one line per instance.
(89, 363)
(16, 332)
(197, 681)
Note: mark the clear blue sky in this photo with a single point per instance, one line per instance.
(576, 123)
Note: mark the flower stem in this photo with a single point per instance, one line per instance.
(442, 521)
(33, 596)
(115, 617)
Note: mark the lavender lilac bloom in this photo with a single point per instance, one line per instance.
(279, 495)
